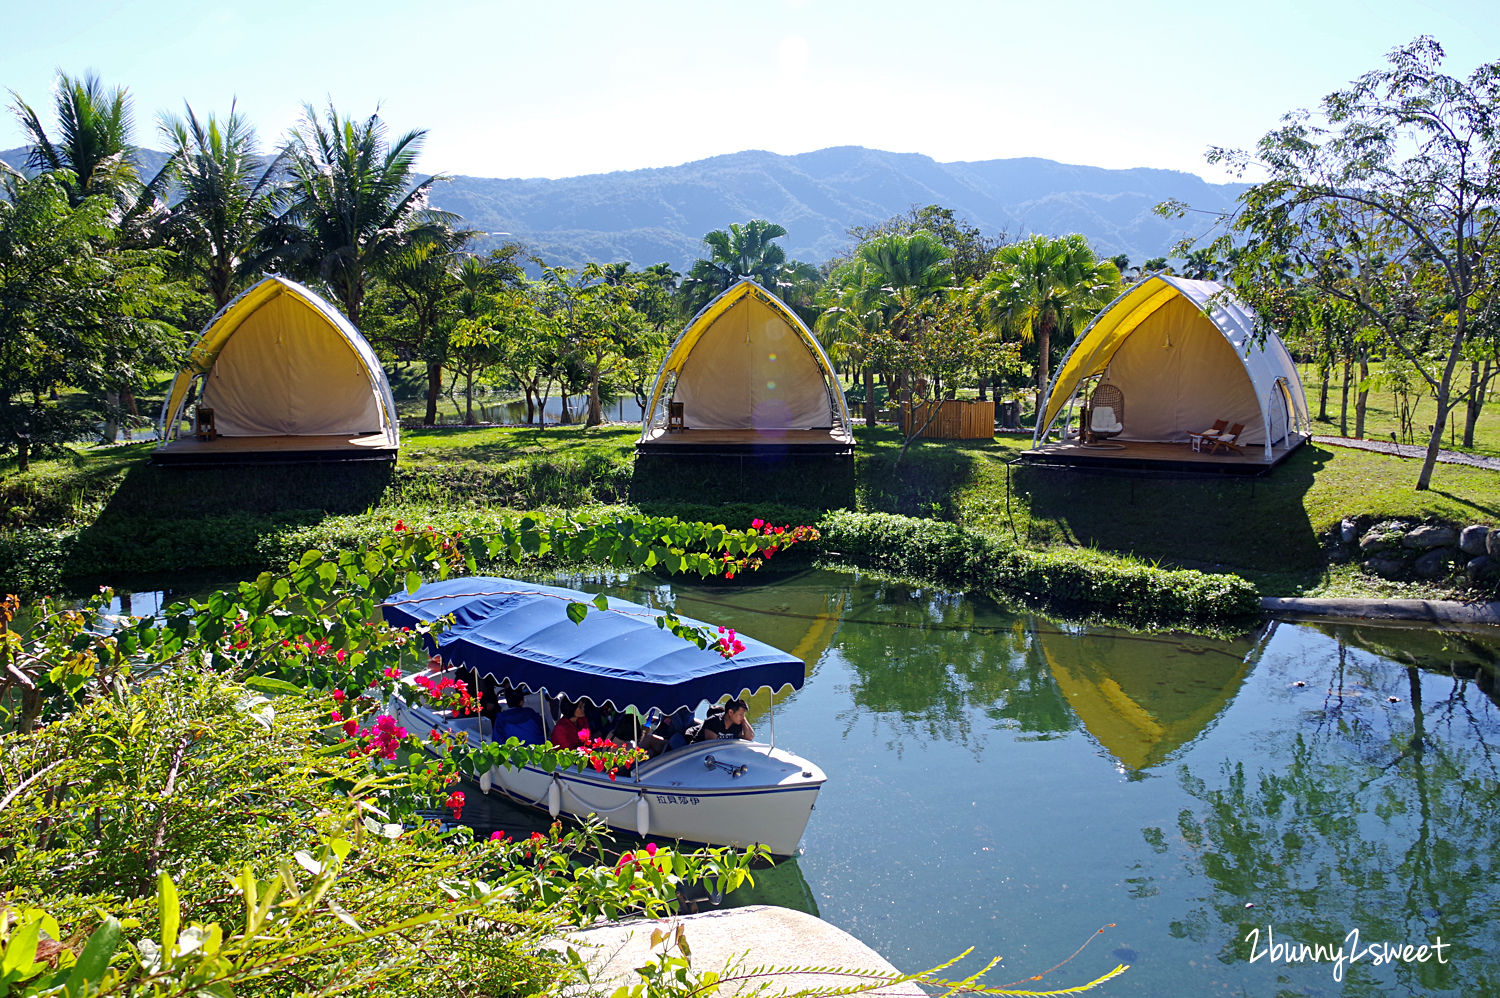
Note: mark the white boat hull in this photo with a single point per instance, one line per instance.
(678, 795)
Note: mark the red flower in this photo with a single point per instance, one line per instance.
(400, 526)
(650, 848)
(350, 727)
(338, 695)
(757, 523)
(498, 836)
(334, 715)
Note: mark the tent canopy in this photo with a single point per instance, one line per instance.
(746, 361)
(1184, 353)
(279, 360)
(521, 632)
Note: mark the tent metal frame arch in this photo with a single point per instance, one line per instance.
(205, 353)
(1227, 314)
(721, 304)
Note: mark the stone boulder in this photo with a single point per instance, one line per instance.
(1436, 563)
(1348, 531)
(1472, 539)
(1387, 566)
(1430, 536)
(1482, 569)
(1492, 544)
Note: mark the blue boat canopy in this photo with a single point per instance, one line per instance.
(520, 631)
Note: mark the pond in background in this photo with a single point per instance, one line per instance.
(621, 410)
(999, 780)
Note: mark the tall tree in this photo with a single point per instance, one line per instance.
(913, 340)
(353, 202)
(743, 250)
(852, 313)
(421, 265)
(91, 151)
(225, 199)
(970, 252)
(72, 312)
(1386, 198)
(1043, 286)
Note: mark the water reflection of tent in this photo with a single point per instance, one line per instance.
(1144, 696)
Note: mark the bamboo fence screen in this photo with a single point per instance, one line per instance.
(955, 420)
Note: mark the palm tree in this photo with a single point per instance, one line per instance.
(852, 311)
(226, 198)
(1201, 265)
(743, 250)
(1048, 285)
(918, 260)
(352, 201)
(90, 156)
(91, 152)
(422, 265)
(877, 294)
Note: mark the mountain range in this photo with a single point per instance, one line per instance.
(655, 215)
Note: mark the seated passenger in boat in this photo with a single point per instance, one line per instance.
(730, 724)
(518, 720)
(574, 720)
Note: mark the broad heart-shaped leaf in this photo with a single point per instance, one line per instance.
(94, 960)
(601, 601)
(413, 581)
(268, 685)
(577, 611)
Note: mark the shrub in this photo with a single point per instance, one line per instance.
(948, 554)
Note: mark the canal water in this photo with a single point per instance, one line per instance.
(1001, 781)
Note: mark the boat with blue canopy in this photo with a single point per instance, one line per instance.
(727, 791)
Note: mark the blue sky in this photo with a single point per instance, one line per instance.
(543, 89)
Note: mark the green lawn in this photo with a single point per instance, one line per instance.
(1270, 530)
(1381, 413)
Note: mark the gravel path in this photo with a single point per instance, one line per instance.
(1412, 450)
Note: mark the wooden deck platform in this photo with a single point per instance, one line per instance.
(190, 451)
(747, 443)
(1149, 456)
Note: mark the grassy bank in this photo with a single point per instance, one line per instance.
(103, 513)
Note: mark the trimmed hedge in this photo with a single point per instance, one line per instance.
(39, 561)
(950, 555)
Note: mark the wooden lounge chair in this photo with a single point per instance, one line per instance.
(1212, 433)
(675, 417)
(1227, 439)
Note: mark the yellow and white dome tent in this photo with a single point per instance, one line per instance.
(1185, 354)
(747, 365)
(282, 366)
